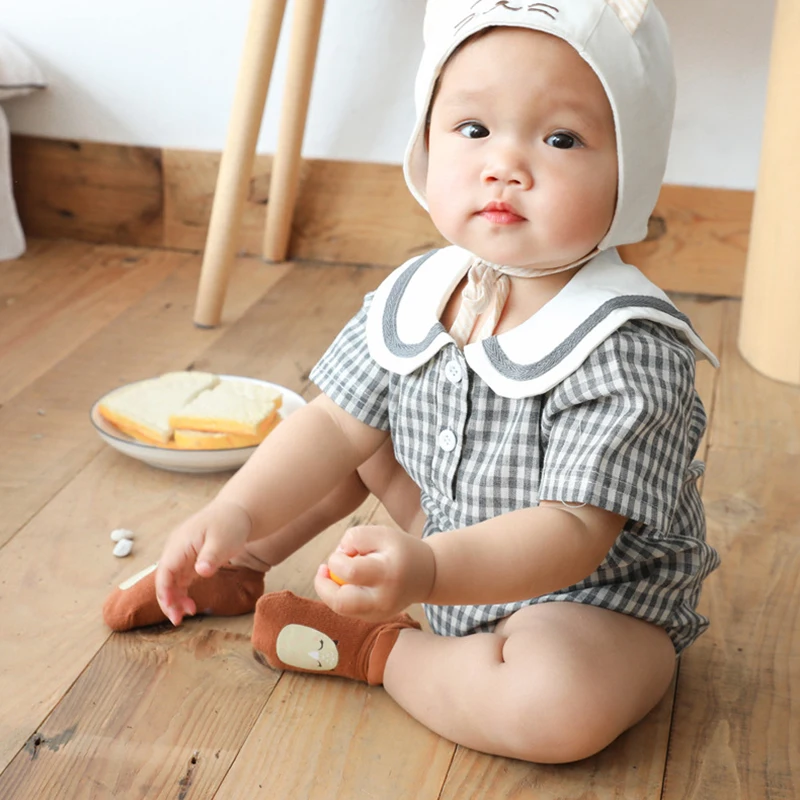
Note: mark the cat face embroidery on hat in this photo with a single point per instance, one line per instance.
(540, 8)
(630, 12)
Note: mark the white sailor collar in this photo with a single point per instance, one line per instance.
(404, 331)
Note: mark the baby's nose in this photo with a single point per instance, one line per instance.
(509, 168)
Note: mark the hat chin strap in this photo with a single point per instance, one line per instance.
(487, 289)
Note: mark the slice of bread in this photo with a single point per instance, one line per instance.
(202, 440)
(232, 406)
(143, 409)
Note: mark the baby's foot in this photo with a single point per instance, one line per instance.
(230, 592)
(295, 633)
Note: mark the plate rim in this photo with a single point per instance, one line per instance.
(129, 441)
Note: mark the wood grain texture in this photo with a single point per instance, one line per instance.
(155, 715)
(42, 259)
(88, 190)
(735, 733)
(70, 304)
(753, 411)
(346, 212)
(697, 242)
(51, 605)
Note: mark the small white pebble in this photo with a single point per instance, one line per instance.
(40, 412)
(123, 548)
(121, 533)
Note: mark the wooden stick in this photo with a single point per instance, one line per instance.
(769, 335)
(306, 23)
(261, 42)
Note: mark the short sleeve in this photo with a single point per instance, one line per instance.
(349, 375)
(621, 432)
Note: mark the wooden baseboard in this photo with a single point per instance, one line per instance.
(347, 212)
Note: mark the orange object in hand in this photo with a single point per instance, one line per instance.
(335, 578)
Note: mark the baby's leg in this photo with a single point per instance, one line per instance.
(556, 682)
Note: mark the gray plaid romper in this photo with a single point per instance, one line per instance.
(591, 400)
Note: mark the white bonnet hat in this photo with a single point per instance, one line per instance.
(626, 43)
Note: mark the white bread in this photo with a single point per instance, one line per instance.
(203, 440)
(143, 409)
(236, 407)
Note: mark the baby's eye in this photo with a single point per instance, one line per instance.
(563, 141)
(473, 130)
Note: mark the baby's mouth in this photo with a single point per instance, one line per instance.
(500, 214)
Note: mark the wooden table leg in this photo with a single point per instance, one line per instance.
(306, 23)
(261, 42)
(769, 336)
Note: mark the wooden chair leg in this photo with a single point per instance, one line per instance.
(261, 42)
(306, 23)
(769, 336)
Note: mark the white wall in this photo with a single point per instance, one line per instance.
(162, 72)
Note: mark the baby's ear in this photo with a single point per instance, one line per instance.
(630, 12)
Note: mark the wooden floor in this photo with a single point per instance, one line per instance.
(188, 713)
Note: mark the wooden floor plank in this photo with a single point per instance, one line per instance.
(58, 570)
(326, 738)
(73, 305)
(753, 411)
(114, 491)
(736, 734)
(159, 715)
(21, 276)
(43, 451)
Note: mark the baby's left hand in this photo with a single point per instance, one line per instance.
(384, 571)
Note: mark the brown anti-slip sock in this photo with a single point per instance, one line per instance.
(230, 592)
(302, 635)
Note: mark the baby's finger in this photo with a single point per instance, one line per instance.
(210, 558)
(349, 600)
(366, 570)
(171, 593)
(325, 586)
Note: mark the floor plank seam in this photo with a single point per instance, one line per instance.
(446, 776)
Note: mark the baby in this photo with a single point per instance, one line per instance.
(522, 402)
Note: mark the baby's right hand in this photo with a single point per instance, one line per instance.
(202, 544)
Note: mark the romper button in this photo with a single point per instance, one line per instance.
(447, 440)
(452, 370)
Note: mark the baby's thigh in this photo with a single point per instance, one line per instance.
(604, 670)
(393, 486)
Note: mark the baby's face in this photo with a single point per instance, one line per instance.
(522, 157)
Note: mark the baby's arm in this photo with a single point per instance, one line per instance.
(297, 464)
(522, 554)
(518, 555)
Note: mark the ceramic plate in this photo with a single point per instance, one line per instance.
(189, 460)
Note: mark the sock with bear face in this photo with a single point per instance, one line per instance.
(303, 635)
